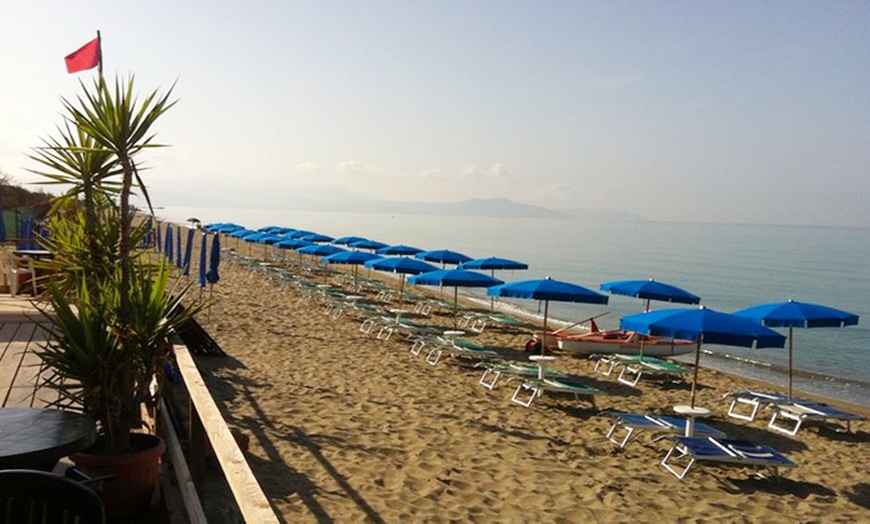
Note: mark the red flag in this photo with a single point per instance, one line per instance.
(87, 57)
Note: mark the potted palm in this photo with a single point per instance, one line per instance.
(111, 310)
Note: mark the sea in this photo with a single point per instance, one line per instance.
(730, 266)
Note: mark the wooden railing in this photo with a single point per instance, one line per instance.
(207, 426)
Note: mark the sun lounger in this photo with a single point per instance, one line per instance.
(635, 366)
(536, 387)
(462, 348)
(495, 370)
(660, 425)
(722, 451)
(789, 416)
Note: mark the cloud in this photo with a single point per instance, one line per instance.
(354, 167)
(307, 167)
(497, 173)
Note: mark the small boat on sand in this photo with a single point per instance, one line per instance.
(621, 341)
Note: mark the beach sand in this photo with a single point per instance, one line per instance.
(345, 427)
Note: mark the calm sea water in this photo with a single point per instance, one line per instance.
(729, 266)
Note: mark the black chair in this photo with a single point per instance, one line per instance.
(28, 496)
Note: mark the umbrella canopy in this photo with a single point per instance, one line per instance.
(493, 263)
(270, 239)
(319, 250)
(793, 314)
(316, 237)
(547, 289)
(445, 256)
(355, 258)
(343, 241)
(400, 250)
(350, 257)
(203, 252)
(702, 325)
(367, 244)
(456, 278)
(239, 233)
(650, 290)
(214, 261)
(299, 233)
(291, 243)
(401, 265)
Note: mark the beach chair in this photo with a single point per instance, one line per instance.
(688, 451)
(633, 367)
(788, 416)
(461, 347)
(535, 387)
(660, 425)
(514, 370)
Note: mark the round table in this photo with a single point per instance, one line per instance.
(691, 413)
(38, 438)
(541, 359)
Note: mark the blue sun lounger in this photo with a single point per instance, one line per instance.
(722, 451)
(789, 416)
(660, 425)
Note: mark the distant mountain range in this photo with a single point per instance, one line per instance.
(351, 203)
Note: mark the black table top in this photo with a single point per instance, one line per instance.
(38, 438)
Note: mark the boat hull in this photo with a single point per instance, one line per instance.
(595, 343)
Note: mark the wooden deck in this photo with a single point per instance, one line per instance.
(20, 337)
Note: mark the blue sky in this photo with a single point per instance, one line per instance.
(676, 110)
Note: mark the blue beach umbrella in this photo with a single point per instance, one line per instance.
(214, 261)
(299, 233)
(269, 239)
(354, 258)
(319, 250)
(317, 238)
(399, 250)
(239, 233)
(702, 325)
(650, 290)
(292, 243)
(178, 253)
(188, 253)
(367, 244)
(202, 258)
(493, 263)
(444, 256)
(343, 241)
(402, 265)
(167, 248)
(793, 314)
(455, 278)
(547, 289)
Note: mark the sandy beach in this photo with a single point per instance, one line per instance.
(345, 427)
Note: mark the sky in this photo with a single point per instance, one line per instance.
(734, 112)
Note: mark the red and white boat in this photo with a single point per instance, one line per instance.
(621, 341)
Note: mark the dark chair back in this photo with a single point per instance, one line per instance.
(28, 496)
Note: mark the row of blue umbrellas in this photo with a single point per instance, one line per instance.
(749, 327)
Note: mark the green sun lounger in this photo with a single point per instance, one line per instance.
(496, 370)
(535, 387)
(633, 367)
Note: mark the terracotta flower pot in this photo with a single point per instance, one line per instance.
(133, 475)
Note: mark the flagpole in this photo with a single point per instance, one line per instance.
(100, 54)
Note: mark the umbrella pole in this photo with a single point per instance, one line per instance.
(695, 377)
(544, 334)
(455, 298)
(402, 291)
(492, 298)
(790, 364)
